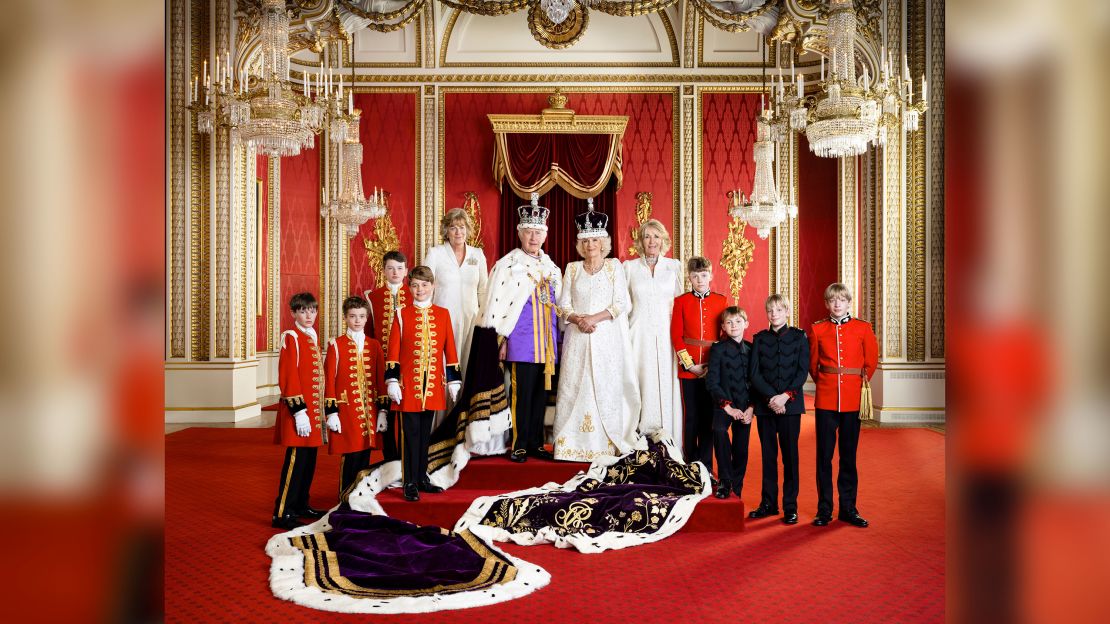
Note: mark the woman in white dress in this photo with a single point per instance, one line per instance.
(597, 405)
(461, 278)
(653, 283)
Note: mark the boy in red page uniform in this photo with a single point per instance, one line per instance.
(384, 303)
(298, 425)
(421, 358)
(694, 328)
(353, 392)
(842, 351)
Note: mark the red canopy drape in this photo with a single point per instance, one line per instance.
(535, 162)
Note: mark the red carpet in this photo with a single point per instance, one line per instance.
(220, 485)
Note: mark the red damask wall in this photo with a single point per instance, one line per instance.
(728, 133)
(388, 134)
(648, 151)
(300, 228)
(262, 165)
(817, 231)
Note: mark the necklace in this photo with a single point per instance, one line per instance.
(651, 260)
(594, 269)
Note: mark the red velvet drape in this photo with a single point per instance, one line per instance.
(561, 232)
(581, 157)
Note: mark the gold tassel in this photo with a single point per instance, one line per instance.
(865, 408)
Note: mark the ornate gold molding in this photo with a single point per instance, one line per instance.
(559, 119)
(273, 266)
(736, 254)
(643, 213)
(385, 240)
(179, 131)
(450, 29)
(892, 211)
(772, 57)
(199, 198)
(472, 208)
(847, 247)
(916, 286)
(934, 124)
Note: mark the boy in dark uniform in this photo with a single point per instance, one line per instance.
(780, 365)
(727, 382)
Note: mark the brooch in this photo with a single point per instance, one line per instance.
(472, 261)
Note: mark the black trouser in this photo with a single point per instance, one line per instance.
(390, 450)
(697, 427)
(732, 457)
(416, 431)
(828, 421)
(350, 464)
(529, 402)
(296, 479)
(777, 432)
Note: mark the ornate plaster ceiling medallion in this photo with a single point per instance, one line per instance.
(558, 35)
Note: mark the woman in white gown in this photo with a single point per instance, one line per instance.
(461, 278)
(654, 281)
(597, 405)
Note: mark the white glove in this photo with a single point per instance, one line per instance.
(383, 424)
(303, 428)
(333, 422)
(393, 389)
(453, 390)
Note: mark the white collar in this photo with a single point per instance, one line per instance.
(393, 288)
(308, 331)
(358, 337)
(422, 304)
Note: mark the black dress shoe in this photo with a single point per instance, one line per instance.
(762, 512)
(429, 488)
(411, 493)
(853, 519)
(287, 522)
(822, 520)
(309, 512)
(519, 457)
(790, 518)
(723, 490)
(541, 453)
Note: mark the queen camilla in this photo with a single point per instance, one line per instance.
(598, 402)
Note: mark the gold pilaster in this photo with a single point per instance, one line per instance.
(688, 227)
(273, 248)
(199, 198)
(846, 243)
(891, 252)
(177, 206)
(934, 128)
(431, 206)
(916, 287)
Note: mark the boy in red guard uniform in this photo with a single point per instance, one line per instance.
(842, 350)
(353, 392)
(421, 357)
(298, 420)
(694, 328)
(384, 303)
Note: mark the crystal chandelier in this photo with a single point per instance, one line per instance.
(350, 207)
(764, 209)
(262, 110)
(557, 10)
(849, 113)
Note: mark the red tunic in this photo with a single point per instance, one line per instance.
(354, 385)
(422, 357)
(850, 344)
(383, 308)
(300, 381)
(695, 326)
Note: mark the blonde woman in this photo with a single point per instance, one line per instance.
(654, 281)
(598, 403)
(461, 277)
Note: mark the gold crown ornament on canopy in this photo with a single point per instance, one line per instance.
(533, 216)
(592, 224)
